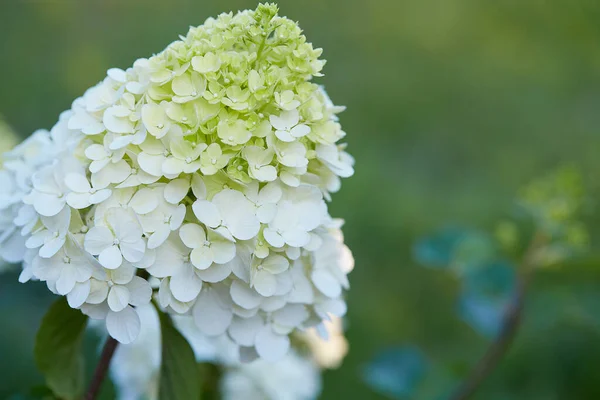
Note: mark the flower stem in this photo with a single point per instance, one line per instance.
(101, 369)
(509, 328)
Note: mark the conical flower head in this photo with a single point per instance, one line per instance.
(207, 166)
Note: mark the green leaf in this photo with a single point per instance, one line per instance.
(58, 352)
(178, 372)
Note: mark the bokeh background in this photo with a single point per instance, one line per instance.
(452, 106)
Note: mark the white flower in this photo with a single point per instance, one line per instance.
(338, 161)
(65, 269)
(233, 132)
(206, 249)
(188, 87)
(136, 176)
(287, 128)
(291, 154)
(230, 209)
(205, 165)
(265, 200)
(155, 119)
(120, 239)
(209, 62)
(332, 262)
(299, 212)
(107, 165)
(82, 193)
(184, 157)
(153, 155)
(259, 161)
(120, 288)
(173, 260)
(49, 195)
(285, 100)
(53, 235)
(117, 119)
(159, 223)
(212, 159)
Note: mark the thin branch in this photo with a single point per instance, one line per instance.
(102, 368)
(509, 328)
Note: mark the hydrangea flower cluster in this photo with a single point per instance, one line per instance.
(199, 175)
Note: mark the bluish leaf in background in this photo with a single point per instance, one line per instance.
(396, 372)
(483, 313)
(474, 249)
(437, 251)
(487, 291)
(494, 279)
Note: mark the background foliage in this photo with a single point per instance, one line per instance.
(452, 106)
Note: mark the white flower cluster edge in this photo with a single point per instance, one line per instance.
(198, 176)
(135, 368)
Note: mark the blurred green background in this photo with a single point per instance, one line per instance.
(452, 106)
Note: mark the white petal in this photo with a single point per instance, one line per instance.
(192, 235)
(238, 213)
(244, 296)
(176, 190)
(207, 213)
(266, 213)
(268, 173)
(52, 247)
(292, 315)
(77, 183)
(271, 193)
(215, 273)
(123, 274)
(326, 283)
(244, 330)
(100, 196)
(111, 257)
(98, 239)
(198, 187)
(185, 286)
(284, 136)
(300, 130)
(124, 326)
(67, 280)
(144, 201)
(133, 251)
(264, 283)
(79, 294)
(211, 317)
(275, 264)
(202, 257)
(118, 298)
(273, 238)
(151, 164)
(96, 152)
(48, 205)
(159, 236)
(140, 291)
(98, 292)
(173, 166)
(177, 217)
(79, 201)
(270, 346)
(223, 252)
